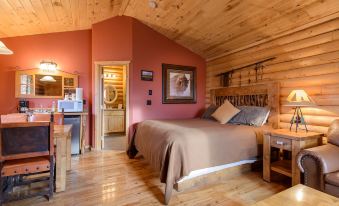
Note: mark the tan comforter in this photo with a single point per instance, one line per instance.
(177, 147)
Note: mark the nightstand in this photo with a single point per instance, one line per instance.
(287, 140)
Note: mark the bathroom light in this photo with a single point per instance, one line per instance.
(47, 79)
(48, 66)
(4, 50)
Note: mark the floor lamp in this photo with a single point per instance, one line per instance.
(298, 99)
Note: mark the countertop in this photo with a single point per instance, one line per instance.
(114, 109)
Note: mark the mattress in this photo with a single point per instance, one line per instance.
(200, 172)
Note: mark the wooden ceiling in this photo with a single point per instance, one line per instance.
(210, 28)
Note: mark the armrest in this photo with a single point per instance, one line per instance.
(317, 161)
(327, 156)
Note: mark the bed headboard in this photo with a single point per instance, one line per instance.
(257, 95)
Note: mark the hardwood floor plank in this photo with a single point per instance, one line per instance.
(110, 178)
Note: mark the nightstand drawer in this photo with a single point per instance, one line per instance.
(281, 143)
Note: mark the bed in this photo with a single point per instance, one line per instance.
(184, 151)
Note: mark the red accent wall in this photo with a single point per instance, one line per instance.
(150, 50)
(70, 50)
(127, 39)
(115, 39)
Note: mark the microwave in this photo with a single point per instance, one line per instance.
(70, 105)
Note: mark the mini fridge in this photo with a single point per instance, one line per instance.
(74, 120)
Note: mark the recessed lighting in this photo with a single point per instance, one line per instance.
(152, 4)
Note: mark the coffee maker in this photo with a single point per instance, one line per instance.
(23, 106)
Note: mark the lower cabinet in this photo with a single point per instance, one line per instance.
(114, 121)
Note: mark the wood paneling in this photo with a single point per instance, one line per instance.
(211, 28)
(110, 178)
(26, 17)
(116, 78)
(208, 28)
(306, 59)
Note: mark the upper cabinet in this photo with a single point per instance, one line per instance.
(34, 83)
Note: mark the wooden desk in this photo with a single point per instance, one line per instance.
(62, 140)
(285, 139)
(300, 195)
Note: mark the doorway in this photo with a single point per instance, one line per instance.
(111, 105)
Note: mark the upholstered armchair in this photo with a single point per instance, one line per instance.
(320, 165)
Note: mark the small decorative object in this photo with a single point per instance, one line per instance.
(298, 99)
(119, 106)
(4, 50)
(178, 84)
(146, 75)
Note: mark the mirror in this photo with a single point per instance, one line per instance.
(110, 94)
(47, 85)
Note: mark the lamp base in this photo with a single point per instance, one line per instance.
(298, 119)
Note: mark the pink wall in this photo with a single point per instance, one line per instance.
(127, 39)
(150, 50)
(116, 39)
(70, 50)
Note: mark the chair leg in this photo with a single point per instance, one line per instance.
(54, 174)
(1, 185)
(51, 178)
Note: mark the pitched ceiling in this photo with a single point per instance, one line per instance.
(207, 27)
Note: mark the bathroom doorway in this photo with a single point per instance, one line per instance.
(111, 105)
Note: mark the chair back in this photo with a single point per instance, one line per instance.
(14, 118)
(58, 119)
(333, 133)
(25, 140)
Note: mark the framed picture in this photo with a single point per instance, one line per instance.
(146, 75)
(178, 84)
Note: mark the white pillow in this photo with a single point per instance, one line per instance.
(225, 112)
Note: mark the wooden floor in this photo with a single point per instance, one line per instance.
(110, 178)
(115, 142)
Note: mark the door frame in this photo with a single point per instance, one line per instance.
(98, 89)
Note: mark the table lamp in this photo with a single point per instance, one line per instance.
(299, 98)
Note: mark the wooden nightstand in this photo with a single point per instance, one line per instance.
(287, 140)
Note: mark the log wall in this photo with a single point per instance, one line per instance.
(307, 59)
(118, 81)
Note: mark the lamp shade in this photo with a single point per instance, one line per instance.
(4, 49)
(299, 98)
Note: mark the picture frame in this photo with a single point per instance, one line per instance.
(178, 84)
(146, 75)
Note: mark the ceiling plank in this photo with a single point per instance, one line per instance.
(209, 28)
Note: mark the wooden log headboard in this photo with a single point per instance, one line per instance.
(261, 95)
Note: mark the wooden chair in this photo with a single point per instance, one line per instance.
(26, 149)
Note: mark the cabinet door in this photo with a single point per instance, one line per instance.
(117, 123)
(25, 85)
(106, 123)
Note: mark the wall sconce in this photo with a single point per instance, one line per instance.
(4, 50)
(110, 76)
(48, 66)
